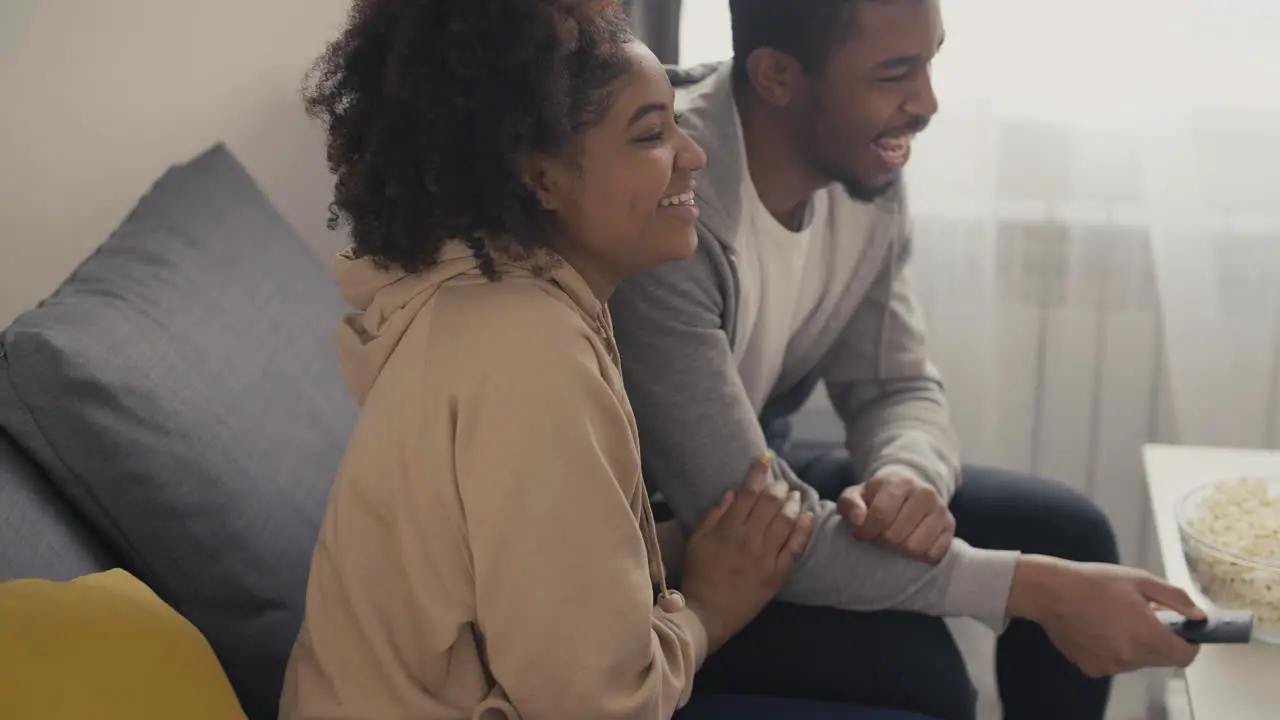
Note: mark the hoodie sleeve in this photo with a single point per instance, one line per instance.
(697, 429)
(886, 390)
(547, 464)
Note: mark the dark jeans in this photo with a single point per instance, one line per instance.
(910, 661)
(744, 707)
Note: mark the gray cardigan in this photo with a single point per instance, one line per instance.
(676, 327)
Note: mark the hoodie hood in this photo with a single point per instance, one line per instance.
(387, 300)
(704, 97)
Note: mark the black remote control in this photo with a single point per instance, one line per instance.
(1220, 626)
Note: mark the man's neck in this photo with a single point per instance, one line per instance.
(782, 180)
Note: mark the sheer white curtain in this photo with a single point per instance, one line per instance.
(1155, 118)
(1098, 212)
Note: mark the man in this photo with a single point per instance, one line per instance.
(800, 277)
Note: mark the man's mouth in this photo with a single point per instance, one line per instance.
(895, 150)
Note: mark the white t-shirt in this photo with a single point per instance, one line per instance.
(800, 275)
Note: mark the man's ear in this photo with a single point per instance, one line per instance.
(775, 76)
(543, 176)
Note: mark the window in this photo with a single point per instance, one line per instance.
(705, 34)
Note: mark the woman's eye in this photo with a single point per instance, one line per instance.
(659, 134)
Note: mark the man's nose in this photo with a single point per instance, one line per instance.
(923, 102)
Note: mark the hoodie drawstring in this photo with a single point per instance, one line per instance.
(669, 600)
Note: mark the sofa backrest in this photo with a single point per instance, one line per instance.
(40, 535)
(181, 390)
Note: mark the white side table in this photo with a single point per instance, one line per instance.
(1226, 682)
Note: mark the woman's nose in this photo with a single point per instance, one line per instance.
(691, 157)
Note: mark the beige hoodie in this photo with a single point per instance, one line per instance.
(488, 550)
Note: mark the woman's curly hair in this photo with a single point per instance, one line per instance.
(431, 106)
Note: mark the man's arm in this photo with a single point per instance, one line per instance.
(699, 433)
(884, 388)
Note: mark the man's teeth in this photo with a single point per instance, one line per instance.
(894, 149)
(681, 199)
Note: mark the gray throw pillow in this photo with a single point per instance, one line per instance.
(182, 391)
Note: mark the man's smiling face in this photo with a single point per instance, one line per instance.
(858, 113)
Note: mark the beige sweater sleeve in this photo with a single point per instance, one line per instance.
(546, 464)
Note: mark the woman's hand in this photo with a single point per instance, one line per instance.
(743, 552)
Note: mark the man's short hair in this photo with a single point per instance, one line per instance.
(804, 29)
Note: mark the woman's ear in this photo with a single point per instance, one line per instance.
(545, 178)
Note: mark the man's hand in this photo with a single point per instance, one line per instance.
(1100, 616)
(900, 512)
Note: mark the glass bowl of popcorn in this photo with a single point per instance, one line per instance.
(1231, 539)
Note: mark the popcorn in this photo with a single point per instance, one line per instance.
(1241, 517)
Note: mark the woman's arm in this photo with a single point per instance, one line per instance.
(547, 467)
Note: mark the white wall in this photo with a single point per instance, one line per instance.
(98, 98)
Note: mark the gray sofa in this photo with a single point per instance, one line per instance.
(175, 408)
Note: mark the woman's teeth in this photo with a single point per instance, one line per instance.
(681, 199)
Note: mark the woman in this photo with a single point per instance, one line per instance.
(489, 550)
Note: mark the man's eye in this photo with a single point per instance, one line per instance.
(894, 78)
(652, 138)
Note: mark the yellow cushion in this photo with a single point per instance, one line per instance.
(104, 647)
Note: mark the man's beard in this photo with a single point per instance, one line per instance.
(854, 186)
(862, 192)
